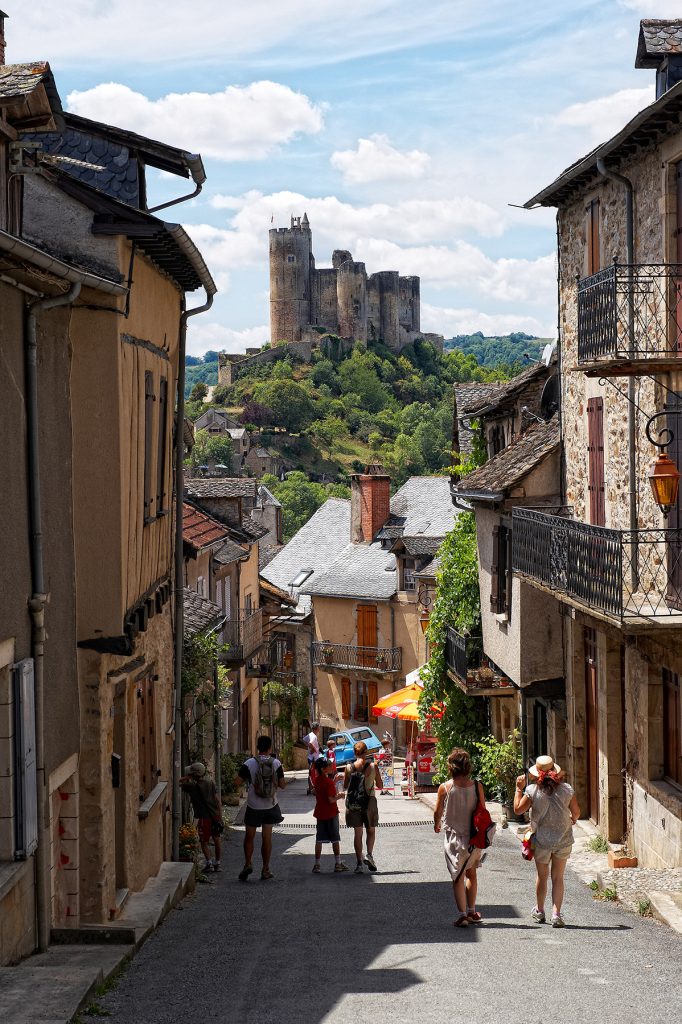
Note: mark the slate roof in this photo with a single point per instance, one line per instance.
(266, 553)
(512, 464)
(426, 504)
(199, 614)
(430, 571)
(422, 545)
(229, 553)
(18, 81)
(200, 530)
(471, 394)
(252, 528)
(504, 392)
(316, 545)
(276, 592)
(221, 487)
(657, 38)
(650, 125)
(359, 571)
(266, 497)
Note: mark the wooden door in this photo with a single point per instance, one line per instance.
(372, 698)
(595, 461)
(592, 725)
(367, 633)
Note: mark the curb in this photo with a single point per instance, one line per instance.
(667, 908)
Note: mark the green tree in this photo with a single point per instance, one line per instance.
(358, 375)
(290, 402)
(211, 446)
(198, 392)
(327, 431)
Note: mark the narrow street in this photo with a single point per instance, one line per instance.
(325, 949)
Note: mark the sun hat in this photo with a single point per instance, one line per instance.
(196, 769)
(543, 764)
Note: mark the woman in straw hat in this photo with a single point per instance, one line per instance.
(553, 812)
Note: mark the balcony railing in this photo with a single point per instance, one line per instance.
(631, 313)
(468, 667)
(243, 635)
(363, 659)
(622, 573)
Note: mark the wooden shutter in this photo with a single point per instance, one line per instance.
(162, 442)
(506, 554)
(593, 243)
(345, 698)
(148, 432)
(595, 461)
(674, 524)
(367, 625)
(672, 727)
(495, 572)
(372, 698)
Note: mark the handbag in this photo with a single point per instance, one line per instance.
(528, 844)
(482, 825)
(217, 827)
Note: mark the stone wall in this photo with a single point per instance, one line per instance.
(231, 367)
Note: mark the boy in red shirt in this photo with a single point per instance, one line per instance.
(327, 813)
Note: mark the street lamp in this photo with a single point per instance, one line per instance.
(664, 478)
(424, 621)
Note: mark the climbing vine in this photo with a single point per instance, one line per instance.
(457, 604)
(292, 706)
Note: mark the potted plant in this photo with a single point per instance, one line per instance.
(382, 660)
(189, 842)
(288, 659)
(328, 655)
(501, 764)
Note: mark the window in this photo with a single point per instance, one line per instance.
(148, 434)
(592, 232)
(201, 586)
(291, 259)
(501, 571)
(146, 737)
(161, 508)
(595, 460)
(672, 727)
(496, 439)
(361, 710)
(361, 734)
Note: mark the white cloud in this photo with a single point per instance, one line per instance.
(442, 320)
(375, 159)
(204, 336)
(239, 123)
(653, 8)
(606, 115)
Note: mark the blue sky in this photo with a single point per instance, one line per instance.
(404, 130)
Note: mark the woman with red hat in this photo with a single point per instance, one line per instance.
(553, 812)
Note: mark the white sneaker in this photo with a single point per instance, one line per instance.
(557, 921)
(538, 915)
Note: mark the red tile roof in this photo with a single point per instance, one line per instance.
(199, 530)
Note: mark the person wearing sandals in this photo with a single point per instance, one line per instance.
(553, 812)
(455, 804)
(327, 814)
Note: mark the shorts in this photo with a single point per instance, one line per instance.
(205, 829)
(369, 817)
(544, 854)
(256, 816)
(327, 830)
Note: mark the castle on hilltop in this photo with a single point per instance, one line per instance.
(341, 299)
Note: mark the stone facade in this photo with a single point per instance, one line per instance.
(342, 299)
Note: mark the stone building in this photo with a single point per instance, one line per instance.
(608, 554)
(341, 299)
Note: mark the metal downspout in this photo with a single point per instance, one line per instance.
(38, 601)
(179, 616)
(632, 424)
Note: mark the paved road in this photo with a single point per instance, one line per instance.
(331, 949)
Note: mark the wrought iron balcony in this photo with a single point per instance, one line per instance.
(243, 635)
(625, 574)
(362, 659)
(630, 319)
(468, 667)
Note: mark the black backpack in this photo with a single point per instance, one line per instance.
(265, 782)
(357, 797)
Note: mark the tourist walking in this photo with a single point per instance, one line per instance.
(361, 777)
(327, 814)
(553, 812)
(202, 792)
(312, 741)
(265, 776)
(456, 802)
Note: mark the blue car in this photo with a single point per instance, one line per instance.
(344, 741)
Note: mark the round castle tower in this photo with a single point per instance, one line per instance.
(291, 262)
(351, 289)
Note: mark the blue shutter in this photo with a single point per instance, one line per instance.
(25, 790)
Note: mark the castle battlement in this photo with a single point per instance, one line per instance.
(341, 299)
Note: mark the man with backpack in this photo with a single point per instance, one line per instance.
(264, 776)
(201, 790)
(360, 780)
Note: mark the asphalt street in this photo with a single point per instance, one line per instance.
(331, 949)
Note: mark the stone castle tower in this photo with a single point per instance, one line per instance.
(342, 299)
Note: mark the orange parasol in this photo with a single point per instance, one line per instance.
(411, 692)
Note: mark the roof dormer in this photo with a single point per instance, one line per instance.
(660, 47)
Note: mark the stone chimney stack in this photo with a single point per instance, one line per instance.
(370, 499)
(2, 37)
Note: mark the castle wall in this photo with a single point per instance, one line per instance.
(408, 295)
(351, 286)
(323, 299)
(290, 265)
(384, 290)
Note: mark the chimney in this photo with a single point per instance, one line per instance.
(370, 501)
(2, 37)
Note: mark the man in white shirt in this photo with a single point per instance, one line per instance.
(264, 775)
(313, 742)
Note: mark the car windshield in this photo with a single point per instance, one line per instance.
(362, 734)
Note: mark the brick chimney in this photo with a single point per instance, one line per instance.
(2, 37)
(370, 500)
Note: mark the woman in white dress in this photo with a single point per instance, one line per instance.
(455, 804)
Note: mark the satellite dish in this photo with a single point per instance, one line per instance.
(549, 403)
(548, 353)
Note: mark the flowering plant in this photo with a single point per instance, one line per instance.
(189, 842)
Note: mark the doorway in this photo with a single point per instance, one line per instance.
(591, 724)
